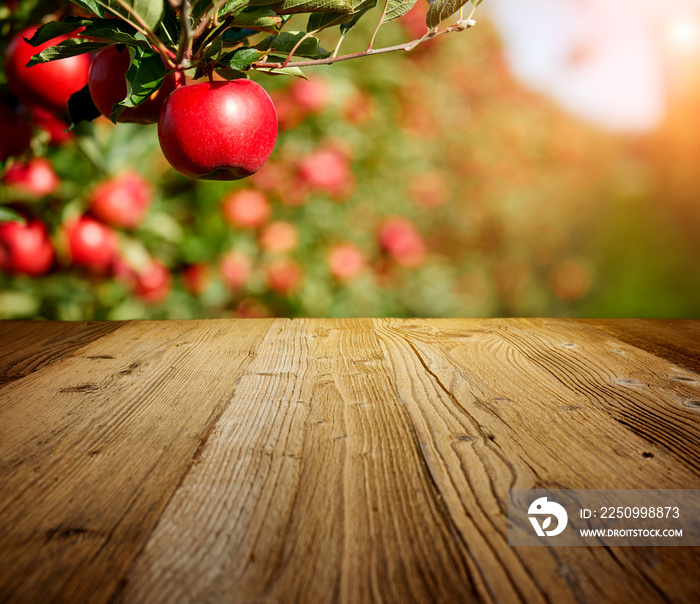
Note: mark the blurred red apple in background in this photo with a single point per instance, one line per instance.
(25, 248)
(283, 275)
(246, 209)
(49, 122)
(279, 237)
(47, 84)
(91, 243)
(34, 177)
(311, 96)
(107, 84)
(327, 170)
(196, 278)
(345, 261)
(400, 238)
(218, 130)
(123, 200)
(282, 179)
(16, 133)
(153, 282)
(235, 269)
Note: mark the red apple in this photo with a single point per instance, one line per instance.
(91, 244)
(283, 180)
(247, 208)
(53, 125)
(123, 200)
(196, 278)
(235, 269)
(153, 282)
(289, 114)
(107, 85)
(311, 96)
(279, 237)
(34, 177)
(283, 275)
(218, 130)
(327, 170)
(400, 238)
(47, 84)
(345, 261)
(16, 133)
(25, 248)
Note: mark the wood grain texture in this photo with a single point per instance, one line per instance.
(93, 445)
(354, 461)
(676, 340)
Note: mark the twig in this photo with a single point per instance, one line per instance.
(184, 43)
(458, 26)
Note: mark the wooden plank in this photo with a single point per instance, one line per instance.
(676, 340)
(319, 461)
(311, 489)
(93, 446)
(26, 346)
(526, 404)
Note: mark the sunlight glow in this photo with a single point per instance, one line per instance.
(683, 33)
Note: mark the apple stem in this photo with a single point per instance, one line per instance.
(407, 46)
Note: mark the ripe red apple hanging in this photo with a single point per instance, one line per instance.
(218, 130)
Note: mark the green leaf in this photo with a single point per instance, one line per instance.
(168, 30)
(240, 59)
(286, 71)
(234, 35)
(397, 8)
(54, 29)
(92, 6)
(69, 48)
(443, 9)
(231, 74)
(312, 6)
(9, 215)
(151, 11)
(346, 27)
(233, 7)
(144, 76)
(260, 19)
(286, 41)
(115, 30)
(319, 21)
(214, 48)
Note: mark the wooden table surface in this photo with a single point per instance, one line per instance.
(354, 461)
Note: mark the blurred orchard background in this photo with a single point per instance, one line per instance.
(545, 162)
